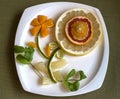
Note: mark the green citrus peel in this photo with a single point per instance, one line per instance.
(39, 48)
(49, 65)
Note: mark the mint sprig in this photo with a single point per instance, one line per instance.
(18, 49)
(24, 54)
(72, 79)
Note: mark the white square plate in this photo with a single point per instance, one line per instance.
(93, 64)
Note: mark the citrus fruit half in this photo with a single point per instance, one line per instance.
(78, 31)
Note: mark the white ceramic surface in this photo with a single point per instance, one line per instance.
(93, 64)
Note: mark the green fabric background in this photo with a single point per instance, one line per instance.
(10, 13)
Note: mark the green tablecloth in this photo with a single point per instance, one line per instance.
(10, 13)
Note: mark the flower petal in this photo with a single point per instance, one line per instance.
(44, 31)
(49, 23)
(34, 31)
(42, 19)
(35, 22)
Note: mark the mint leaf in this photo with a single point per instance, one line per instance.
(70, 74)
(73, 84)
(26, 55)
(29, 53)
(82, 75)
(18, 49)
(29, 49)
(22, 59)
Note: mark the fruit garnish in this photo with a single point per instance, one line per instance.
(49, 65)
(41, 24)
(35, 22)
(47, 50)
(44, 31)
(56, 65)
(78, 31)
(49, 23)
(58, 76)
(40, 66)
(72, 79)
(34, 31)
(39, 48)
(60, 54)
(32, 44)
(24, 54)
(42, 19)
(53, 45)
(51, 72)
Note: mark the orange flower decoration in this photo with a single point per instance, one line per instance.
(41, 24)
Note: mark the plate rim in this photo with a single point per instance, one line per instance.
(104, 61)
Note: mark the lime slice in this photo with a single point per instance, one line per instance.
(53, 45)
(49, 65)
(60, 54)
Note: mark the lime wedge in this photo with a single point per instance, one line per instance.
(60, 54)
(53, 45)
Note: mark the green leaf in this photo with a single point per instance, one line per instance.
(29, 49)
(70, 74)
(74, 86)
(27, 54)
(22, 59)
(82, 75)
(18, 49)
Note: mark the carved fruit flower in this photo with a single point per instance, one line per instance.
(41, 24)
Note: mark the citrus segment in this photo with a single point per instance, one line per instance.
(46, 81)
(35, 22)
(58, 76)
(42, 18)
(32, 44)
(44, 31)
(49, 23)
(58, 64)
(47, 49)
(40, 66)
(41, 24)
(34, 31)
